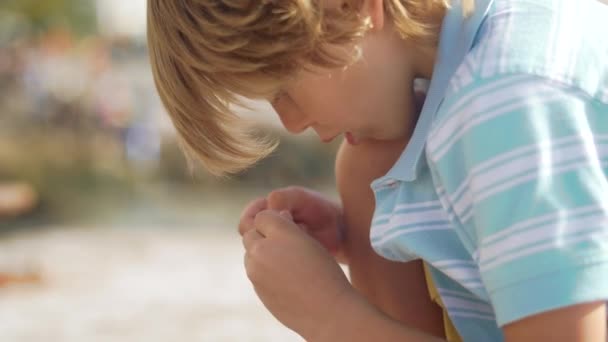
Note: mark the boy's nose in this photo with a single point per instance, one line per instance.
(291, 117)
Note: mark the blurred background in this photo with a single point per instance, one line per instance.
(106, 234)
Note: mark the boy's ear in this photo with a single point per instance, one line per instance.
(375, 10)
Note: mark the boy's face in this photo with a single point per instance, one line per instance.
(371, 99)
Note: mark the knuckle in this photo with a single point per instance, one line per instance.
(251, 206)
(251, 269)
(267, 222)
(295, 189)
(256, 251)
(259, 219)
(242, 228)
(254, 261)
(291, 188)
(245, 225)
(276, 198)
(247, 239)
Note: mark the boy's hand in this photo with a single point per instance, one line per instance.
(311, 211)
(294, 276)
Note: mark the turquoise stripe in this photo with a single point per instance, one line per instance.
(577, 284)
(560, 118)
(567, 191)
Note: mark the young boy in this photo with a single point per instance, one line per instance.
(501, 189)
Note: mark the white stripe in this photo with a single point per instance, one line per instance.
(451, 262)
(440, 189)
(408, 206)
(451, 216)
(469, 119)
(600, 236)
(407, 219)
(401, 220)
(453, 303)
(484, 183)
(552, 231)
(466, 77)
(381, 218)
(451, 123)
(462, 76)
(419, 205)
(398, 233)
(517, 181)
(501, 158)
(472, 285)
(522, 225)
(462, 273)
(529, 148)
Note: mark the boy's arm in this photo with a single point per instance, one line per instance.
(359, 321)
(584, 322)
(397, 289)
(315, 299)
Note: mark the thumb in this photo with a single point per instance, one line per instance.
(286, 215)
(249, 213)
(270, 222)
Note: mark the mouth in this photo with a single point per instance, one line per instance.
(351, 139)
(329, 139)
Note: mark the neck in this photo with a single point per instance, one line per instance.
(423, 61)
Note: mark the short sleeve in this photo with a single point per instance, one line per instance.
(523, 163)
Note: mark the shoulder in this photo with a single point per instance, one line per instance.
(560, 40)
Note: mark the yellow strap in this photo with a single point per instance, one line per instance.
(450, 331)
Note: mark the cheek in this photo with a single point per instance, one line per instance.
(321, 99)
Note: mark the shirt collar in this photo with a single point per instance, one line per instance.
(456, 39)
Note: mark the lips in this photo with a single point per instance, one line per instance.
(328, 140)
(351, 139)
(349, 136)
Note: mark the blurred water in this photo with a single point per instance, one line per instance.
(113, 284)
(82, 128)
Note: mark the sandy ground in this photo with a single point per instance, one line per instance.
(111, 284)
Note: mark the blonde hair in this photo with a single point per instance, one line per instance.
(205, 54)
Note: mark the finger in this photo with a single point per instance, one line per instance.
(281, 199)
(286, 215)
(302, 203)
(246, 221)
(270, 223)
(250, 238)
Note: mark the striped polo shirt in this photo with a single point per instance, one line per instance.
(503, 187)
